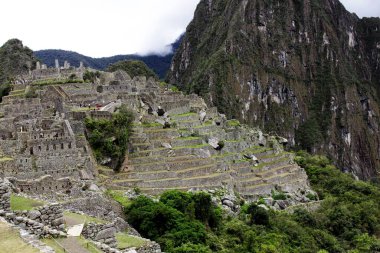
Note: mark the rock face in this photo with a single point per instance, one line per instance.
(15, 59)
(307, 70)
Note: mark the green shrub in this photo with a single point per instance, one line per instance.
(109, 138)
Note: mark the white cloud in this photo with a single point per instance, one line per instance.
(103, 28)
(363, 8)
(96, 27)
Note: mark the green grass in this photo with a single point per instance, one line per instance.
(53, 244)
(59, 249)
(119, 197)
(83, 109)
(82, 218)
(190, 138)
(151, 124)
(233, 123)
(21, 203)
(5, 159)
(127, 241)
(89, 246)
(192, 146)
(10, 241)
(184, 115)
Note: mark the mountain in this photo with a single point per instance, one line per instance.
(160, 64)
(15, 59)
(304, 69)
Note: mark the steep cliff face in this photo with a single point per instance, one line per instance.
(305, 69)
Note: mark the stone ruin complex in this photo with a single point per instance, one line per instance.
(177, 143)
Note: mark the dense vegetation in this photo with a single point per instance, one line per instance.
(160, 64)
(15, 59)
(348, 220)
(109, 138)
(133, 68)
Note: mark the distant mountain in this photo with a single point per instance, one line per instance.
(160, 64)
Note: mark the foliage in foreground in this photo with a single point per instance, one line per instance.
(348, 220)
(109, 138)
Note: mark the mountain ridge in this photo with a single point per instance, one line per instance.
(307, 70)
(159, 63)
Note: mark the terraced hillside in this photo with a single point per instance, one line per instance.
(177, 141)
(203, 150)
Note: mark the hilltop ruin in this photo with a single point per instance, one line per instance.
(177, 142)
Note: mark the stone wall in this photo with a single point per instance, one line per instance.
(5, 194)
(104, 233)
(43, 222)
(104, 237)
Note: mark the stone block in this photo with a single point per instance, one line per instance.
(34, 214)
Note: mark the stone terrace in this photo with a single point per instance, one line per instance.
(177, 143)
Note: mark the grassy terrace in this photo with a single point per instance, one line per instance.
(263, 165)
(187, 159)
(127, 241)
(119, 197)
(10, 241)
(176, 171)
(147, 124)
(174, 148)
(19, 203)
(58, 247)
(190, 138)
(56, 82)
(5, 159)
(184, 115)
(75, 218)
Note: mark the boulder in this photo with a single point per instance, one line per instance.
(228, 203)
(120, 224)
(213, 142)
(58, 222)
(34, 214)
(251, 157)
(202, 115)
(94, 188)
(166, 145)
(106, 233)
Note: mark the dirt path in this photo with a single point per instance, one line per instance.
(72, 245)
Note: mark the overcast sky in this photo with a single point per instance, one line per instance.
(100, 28)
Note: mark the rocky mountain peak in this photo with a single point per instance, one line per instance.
(307, 70)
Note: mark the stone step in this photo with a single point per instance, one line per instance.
(259, 189)
(175, 165)
(292, 180)
(188, 123)
(264, 176)
(273, 157)
(191, 116)
(162, 174)
(166, 152)
(178, 142)
(156, 191)
(155, 159)
(215, 179)
(152, 134)
(247, 170)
